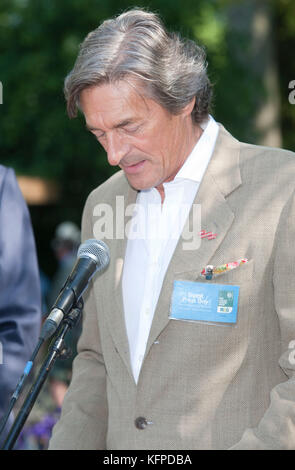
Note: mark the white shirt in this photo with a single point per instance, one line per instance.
(154, 233)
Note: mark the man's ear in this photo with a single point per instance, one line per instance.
(187, 110)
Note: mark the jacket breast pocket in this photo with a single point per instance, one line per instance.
(237, 276)
(242, 276)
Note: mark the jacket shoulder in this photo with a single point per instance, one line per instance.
(102, 198)
(4, 171)
(267, 165)
(107, 191)
(267, 156)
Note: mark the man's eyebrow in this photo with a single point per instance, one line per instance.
(90, 128)
(125, 122)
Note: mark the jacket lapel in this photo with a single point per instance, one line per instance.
(116, 321)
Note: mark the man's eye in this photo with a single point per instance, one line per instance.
(131, 129)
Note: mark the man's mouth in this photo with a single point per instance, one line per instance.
(135, 168)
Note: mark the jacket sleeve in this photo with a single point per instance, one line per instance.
(20, 297)
(83, 421)
(276, 430)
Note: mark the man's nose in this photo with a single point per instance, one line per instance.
(116, 149)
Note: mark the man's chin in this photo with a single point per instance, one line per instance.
(138, 185)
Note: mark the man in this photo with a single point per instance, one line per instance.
(158, 366)
(20, 296)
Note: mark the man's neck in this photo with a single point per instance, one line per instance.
(192, 139)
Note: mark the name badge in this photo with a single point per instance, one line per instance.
(212, 303)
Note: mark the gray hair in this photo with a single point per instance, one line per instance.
(136, 44)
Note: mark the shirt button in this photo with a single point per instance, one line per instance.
(140, 423)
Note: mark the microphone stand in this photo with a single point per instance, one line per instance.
(21, 384)
(55, 350)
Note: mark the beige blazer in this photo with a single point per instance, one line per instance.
(201, 386)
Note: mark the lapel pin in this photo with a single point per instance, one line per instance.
(209, 271)
(208, 235)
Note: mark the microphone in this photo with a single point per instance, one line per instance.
(93, 256)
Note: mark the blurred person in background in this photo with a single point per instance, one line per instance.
(20, 294)
(37, 430)
(65, 246)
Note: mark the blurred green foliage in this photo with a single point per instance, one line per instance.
(39, 41)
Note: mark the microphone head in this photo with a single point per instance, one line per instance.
(97, 250)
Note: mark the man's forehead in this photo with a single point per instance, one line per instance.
(115, 98)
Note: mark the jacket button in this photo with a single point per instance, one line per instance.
(141, 422)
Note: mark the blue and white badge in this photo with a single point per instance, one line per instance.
(197, 301)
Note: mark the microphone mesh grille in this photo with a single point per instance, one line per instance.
(97, 250)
